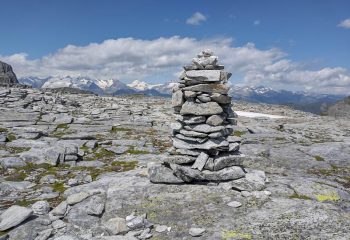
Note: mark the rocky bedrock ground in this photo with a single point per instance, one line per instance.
(74, 166)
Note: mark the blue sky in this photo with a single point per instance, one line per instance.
(306, 32)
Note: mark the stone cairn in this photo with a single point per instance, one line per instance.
(204, 147)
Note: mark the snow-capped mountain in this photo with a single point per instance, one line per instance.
(305, 101)
(35, 82)
(95, 85)
(315, 103)
(142, 86)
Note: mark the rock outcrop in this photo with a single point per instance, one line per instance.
(340, 109)
(7, 76)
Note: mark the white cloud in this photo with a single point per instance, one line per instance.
(196, 19)
(345, 23)
(128, 59)
(256, 22)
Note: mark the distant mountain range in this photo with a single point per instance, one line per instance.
(309, 102)
(315, 103)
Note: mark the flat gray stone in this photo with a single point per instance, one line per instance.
(202, 109)
(234, 204)
(204, 128)
(116, 226)
(177, 99)
(204, 75)
(196, 232)
(208, 88)
(188, 174)
(77, 197)
(11, 162)
(253, 181)
(210, 144)
(13, 216)
(215, 120)
(191, 119)
(191, 139)
(41, 207)
(179, 159)
(188, 133)
(220, 98)
(160, 174)
(117, 149)
(200, 161)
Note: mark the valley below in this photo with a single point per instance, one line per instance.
(74, 167)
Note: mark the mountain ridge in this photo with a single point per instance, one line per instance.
(305, 101)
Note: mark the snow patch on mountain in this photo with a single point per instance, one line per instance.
(140, 85)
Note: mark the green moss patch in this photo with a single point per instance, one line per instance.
(62, 126)
(238, 133)
(125, 165)
(297, 196)
(3, 130)
(17, 176)
(135, 151)
(103, 153)
(120, 129)
(58, 187)
(329, 197)
(11, 137)
(318, 158)
(230, 234)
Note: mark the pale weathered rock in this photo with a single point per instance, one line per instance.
(192, 119)
(77, 197)
(200, 161)
(41, 207)
(220, 98)
(204, 75)
(190, 94)
(160, 174)
(58, 224)
(209, 108)
(188, 174)
(116, 226)
(11, 162)
(234, 204)
(253, 181)
(210, 144)
(179, 159)
(13, 216)
(191, 139)
(193, 133)
(215, 120)
(60, 209)
(177, 99)
(205, 128)
(176, 126)
(196, 232)
(208, 88)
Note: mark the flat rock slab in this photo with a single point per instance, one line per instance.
(188, 174)
(210, 144)
(200, 109)
(14, 216)
(160, 174)
(204, 75)
(208, 88)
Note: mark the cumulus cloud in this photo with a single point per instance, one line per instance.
(256, 22)
(128, 59)
(196, 19)
(345, 23)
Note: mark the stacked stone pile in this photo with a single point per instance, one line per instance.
(204, 147)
